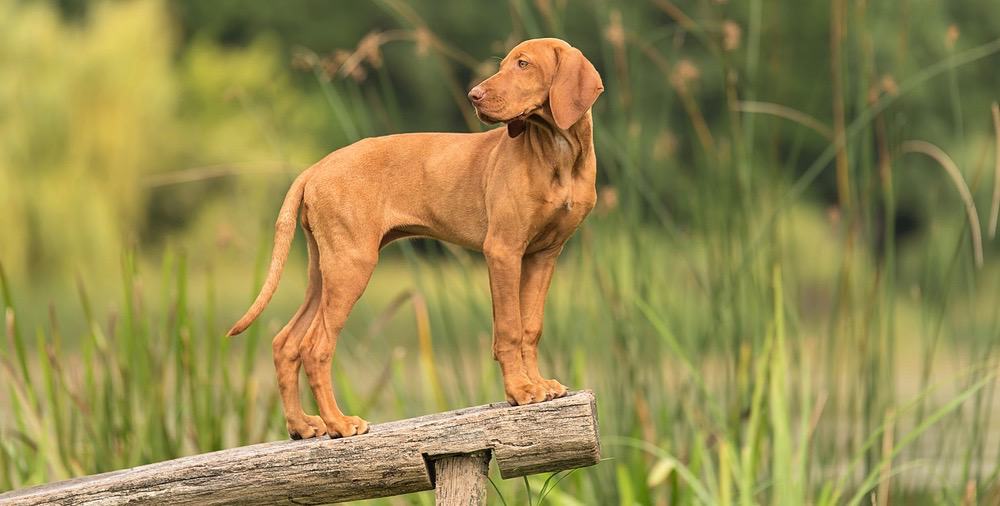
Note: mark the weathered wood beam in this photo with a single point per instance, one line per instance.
(392, 459)
(460, 480)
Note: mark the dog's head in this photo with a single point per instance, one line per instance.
(539, 77)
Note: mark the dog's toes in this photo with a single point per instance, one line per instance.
(346, 426)
(362, 427)
(317, 424)
(525, 393)
(300, 430)
(306, 427)
(555, 389)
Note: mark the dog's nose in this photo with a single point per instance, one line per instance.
(477, 94)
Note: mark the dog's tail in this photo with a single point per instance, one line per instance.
(284, 232)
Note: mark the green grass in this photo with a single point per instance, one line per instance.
(747, 344)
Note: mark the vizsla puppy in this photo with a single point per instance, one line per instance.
(514, 193)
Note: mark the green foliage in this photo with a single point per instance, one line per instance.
(94, 112)
(773, 306)
(82, 110)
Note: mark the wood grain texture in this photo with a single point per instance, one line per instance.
(460, 480)
(391, 459)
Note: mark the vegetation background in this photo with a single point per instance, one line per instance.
(787, 294)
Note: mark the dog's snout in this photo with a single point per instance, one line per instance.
(477, 94)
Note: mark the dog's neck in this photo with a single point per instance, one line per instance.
(563, 150)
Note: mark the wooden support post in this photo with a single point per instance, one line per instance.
(460, 480)
(392, 459)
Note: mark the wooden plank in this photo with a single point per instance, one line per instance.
(460, 480)
(390, 460)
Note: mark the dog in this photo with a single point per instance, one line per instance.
(517, 194)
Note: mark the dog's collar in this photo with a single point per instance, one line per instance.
(517, 125)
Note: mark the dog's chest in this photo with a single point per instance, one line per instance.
(565, 193)
(567, 203)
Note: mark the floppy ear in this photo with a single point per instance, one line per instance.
(574, 88)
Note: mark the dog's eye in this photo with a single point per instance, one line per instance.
(522, 63)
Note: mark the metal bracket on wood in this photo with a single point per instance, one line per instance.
(448, 452)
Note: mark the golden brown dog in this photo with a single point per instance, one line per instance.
(516, 194)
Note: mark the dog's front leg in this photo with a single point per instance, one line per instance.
(504, 264)
(536, 275)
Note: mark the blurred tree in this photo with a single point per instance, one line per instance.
(111, 93)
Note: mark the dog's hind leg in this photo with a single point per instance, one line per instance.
(288, 359)
(345, 276)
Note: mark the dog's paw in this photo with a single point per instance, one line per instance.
(317, 424)
(525, 393)
(346, 426)
(306, 427)
(553, 389)
(301, 429)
